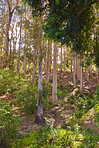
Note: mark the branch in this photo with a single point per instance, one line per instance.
(92, 2)
(9, 5)
(15, 6)
(42, 3)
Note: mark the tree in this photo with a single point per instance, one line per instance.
(54, 91)
(19, 51)
(8, 27)
(40, 119)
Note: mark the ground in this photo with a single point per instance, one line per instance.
(63, 111)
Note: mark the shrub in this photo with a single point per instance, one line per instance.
(8, 124)
(27, 98)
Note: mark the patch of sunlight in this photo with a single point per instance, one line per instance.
(65, 76)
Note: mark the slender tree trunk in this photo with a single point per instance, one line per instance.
(78, 68)
(81, 78)
(24, 62)
(1, 40)
(54, 92)
(96, 76)
(87, 75)
(50, 46)
(28, 67)
(71, 64)
(40, 119)
(64, 60)
(34, 66)
(90, 69)
(7, 39)
(61, 58)
(10, 54)
(48, 63)
(11, 46)
(74, 72)
(45, 59)
(7, 30)
(18, 63)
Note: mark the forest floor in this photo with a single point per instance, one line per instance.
(66, 113)
(63, 111)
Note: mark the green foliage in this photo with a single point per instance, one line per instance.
(21, 88)
(8, 123)
(48, 137)
(8, 81)
(83, 103)
(96, 115)
(27, 97)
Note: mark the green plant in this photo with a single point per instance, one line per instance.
(8, 124)
(27, 98)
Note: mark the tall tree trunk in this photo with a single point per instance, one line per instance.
(18, 63)
(71, 64)
(28, 67)
(1, 39)
(7, 39)
(64, 59)
(78, 68)
(11, 46)
(90, 69)
(96, 76)
(45, 59)
(81, 77)
(34, 66)
(7, 31)
(61, 58)
(54, 92)
(87, 75)
(74, 72)
(24, 62)
(40, 119)
(50, 46)
(47, 63)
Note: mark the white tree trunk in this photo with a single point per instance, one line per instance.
(54, 92)
(61, 58)
(18, 64)
(40, 119)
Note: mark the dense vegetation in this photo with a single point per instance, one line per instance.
(49, 85)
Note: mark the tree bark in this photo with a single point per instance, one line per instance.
(7, 31)
(64, 60)
(71, 65)
(74, 72)
(90, 69)
(50, 46)
(18, 63)
(87, 75)
(40, 119)
(61, 58)
(24, 61)
(96, 76)
(34, 66)
(81, 78)
(54, 92)
(48, 63)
